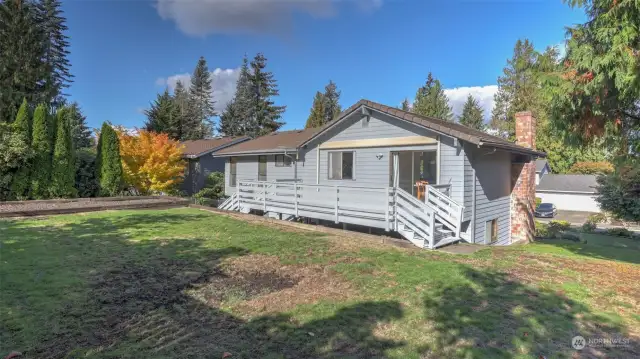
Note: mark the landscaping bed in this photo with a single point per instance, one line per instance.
(62, 206)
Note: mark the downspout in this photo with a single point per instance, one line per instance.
(473, 208)
(318, 165)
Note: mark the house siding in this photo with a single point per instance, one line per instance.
(493, 193)
(199, 169)
(247, 169)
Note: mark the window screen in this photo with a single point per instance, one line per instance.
(491, 231)
(262, 168)
(283, 161)
(232, 171)
(341, 165)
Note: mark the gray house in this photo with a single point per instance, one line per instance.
(200, 161)
(434, 182)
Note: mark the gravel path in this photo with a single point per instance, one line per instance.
(89, 203)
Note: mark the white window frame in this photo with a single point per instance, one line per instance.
(233, 171)
(329, 168)
(266, 165)
(285, 161)
(488, 231)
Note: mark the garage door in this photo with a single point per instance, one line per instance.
(571, 201)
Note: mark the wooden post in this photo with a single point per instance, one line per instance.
(459, 223)
(264, 197)
(386, 210)
(337, 195)
(238, 194)
(433, 230)
(426, 194)
(295, 199)
(395, 208)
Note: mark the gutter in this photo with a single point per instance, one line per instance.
(256, 152)
(503, 146)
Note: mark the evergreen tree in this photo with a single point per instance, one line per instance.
(472, 115)
(201, 104)
(56, 64)
(518, 89)
(431, 101)
(332, 106)
(228, 125)
(80, 132)
(181, 101)
(109, 166)
(42, 147)
(244, 119)
(21, 54)
(264, 115)
(318, 112)
(406, 106)
(164, 116)
(63, 164)
(22, 128)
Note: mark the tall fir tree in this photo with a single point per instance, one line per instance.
(431, 101)
(56, 43)
(109, 164)
(472, 114)
(228, 124)
(242, 120)
(332, 106)
(42, 147)
(164, 116)
(265, 114)
(201, 103)
(80, 132)
(318, 112)
(63, 164)
(406, 105)
(21, 53)
(181, 102)
(518, 89)
(22, 128)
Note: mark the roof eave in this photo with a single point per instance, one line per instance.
(256, 152)
(514, 148)
(218, 148)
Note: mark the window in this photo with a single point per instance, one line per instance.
(283, 161)
(262, 168)
(491, 231)
(341, 165)
(232, 171)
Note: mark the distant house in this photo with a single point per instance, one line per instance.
(198, 154)
(542, 168)
(571, 192)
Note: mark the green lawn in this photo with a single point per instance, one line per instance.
(184, 283)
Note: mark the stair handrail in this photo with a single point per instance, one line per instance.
(426, 215)
(455, 208)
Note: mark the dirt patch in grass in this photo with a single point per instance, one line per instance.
(258, 284)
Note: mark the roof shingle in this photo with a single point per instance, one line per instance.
(198, 148)
(568, 183)
(289, 140)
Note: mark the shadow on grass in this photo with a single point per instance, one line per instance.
(82, 289)
(494, 316)
(600, 246)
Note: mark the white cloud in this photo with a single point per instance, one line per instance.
(223, 83)
(483, 94)
(202, 17)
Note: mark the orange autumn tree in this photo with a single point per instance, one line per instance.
(151, 162)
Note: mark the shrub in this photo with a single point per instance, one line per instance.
(589, 226)
(619, 193)
(591, 168)
(538, 201)
(619, 232)
(214, 189)
(542, 230)
(597, 218)
(86, 183)
(559, 226)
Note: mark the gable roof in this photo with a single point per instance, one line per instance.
(197, 148)
(568, 183)
(452, 129)
(540, 164)
(276, 142)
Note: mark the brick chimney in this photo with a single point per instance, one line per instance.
(523, 182)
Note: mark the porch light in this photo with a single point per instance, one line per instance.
(379, 156)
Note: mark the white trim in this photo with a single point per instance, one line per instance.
(317, 165)
(379, 142)
(569, 192)
(438, 154)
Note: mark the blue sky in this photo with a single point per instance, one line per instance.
(124, 52)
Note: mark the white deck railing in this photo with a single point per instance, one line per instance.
(378, 207)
